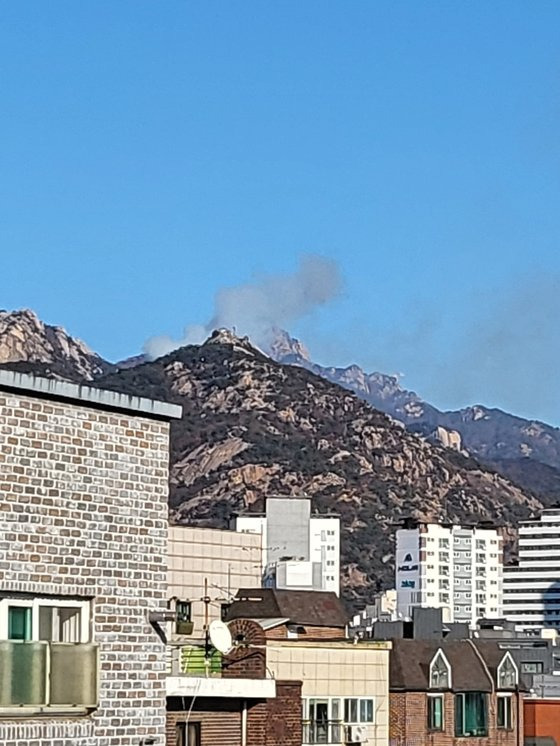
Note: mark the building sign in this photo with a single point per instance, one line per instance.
(408, 584)
(406, 567)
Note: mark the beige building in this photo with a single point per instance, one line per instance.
(345, 688)
(226, 560)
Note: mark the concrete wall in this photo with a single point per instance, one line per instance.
(84, 516)
(227, 559)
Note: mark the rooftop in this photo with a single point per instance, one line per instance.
(312, 608)
(49, 388)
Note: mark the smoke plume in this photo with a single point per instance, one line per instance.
(256, 308)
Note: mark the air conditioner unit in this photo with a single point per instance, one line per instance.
(355, 734)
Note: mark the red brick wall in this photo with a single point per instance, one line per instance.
(220, 720)
(270, 722)
(277, 722)
(542, 718)
(247, 661)
(311, 633)
(408, 723)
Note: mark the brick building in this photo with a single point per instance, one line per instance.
(292, 614)
(240, 705)
(444, 691)
(83, 533)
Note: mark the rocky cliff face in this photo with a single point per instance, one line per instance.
(515, 446)
(252, 427)
(29, 344)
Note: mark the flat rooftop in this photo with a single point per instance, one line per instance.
(48, 388)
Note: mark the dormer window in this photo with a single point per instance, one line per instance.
(507, 673)
(440, 672)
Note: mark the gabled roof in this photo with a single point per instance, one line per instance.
(471, 663)
(313, 608)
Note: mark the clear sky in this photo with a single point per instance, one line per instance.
(154, 152)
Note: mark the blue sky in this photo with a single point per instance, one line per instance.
(152, 153)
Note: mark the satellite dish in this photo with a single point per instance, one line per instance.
(220, 636)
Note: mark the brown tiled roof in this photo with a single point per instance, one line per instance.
(410, 664)
(313, 608)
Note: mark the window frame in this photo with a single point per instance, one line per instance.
(186, 614)
(359, 701)
(508, 712)
(434, 728)
(35, 603)
(460, 727)
(507, 659)
(440, 655)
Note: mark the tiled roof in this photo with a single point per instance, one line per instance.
(473, 665)
(313, 608)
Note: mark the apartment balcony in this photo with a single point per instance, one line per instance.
(53, 676)
(193, 660)
(323, 731)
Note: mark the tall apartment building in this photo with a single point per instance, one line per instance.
(83, 543)
(455, 568)
(532, 587)
(301, 550)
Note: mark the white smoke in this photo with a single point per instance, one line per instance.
(257, 308)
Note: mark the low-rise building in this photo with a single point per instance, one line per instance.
(292, 614)
(83, 544)
(445, 691)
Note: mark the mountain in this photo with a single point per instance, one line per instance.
(252, 427)
(516, 447)
(26, 343)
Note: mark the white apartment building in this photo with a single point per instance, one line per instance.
(532, 587)
(456, 568)
(300, 550)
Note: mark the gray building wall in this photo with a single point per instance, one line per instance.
(84, 516)
(287, 529)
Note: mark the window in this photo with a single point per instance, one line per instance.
(187, 734)
(503, 715)
(30, 619)
(471, 717)
(43, 671)
(358, 711)
(224, 609)
(532, 667)
(440, 672)
(183, 609)
(435, 712)
(507, 673)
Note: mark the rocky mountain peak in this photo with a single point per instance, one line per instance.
(283, 347)
(25, 339)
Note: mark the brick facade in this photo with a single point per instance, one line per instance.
(270, 722)
(309, 633)
(542, 720)
(408, 722)
(84, 515)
